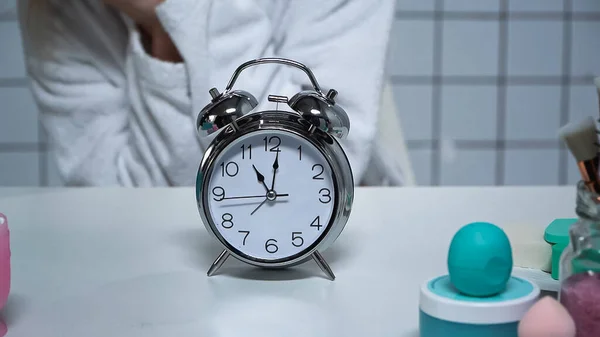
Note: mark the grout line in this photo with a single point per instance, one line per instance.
(495, 16)
(436, 96)
(43, 157)
(501, 98)
(475, 144)
(14, 82)
(9, 17)
(489, 80)
(419, 144)
(567, 45)
(43, 168)
(448, 15)
(437, 14)
(22, 147)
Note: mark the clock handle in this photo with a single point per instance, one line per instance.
(317, 108)
(230, 105)
(274, 60)
(320, 110)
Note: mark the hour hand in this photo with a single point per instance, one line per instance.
(260, 178)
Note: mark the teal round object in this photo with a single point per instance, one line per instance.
(516, 288)
(480, 260)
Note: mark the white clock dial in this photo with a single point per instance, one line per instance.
(266, 213)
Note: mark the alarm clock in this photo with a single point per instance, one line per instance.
(275, 188)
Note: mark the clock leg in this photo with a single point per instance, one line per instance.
(218, 262)
(323, 265)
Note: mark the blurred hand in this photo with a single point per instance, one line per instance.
(155, 39)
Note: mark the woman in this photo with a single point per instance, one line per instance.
(119, 83)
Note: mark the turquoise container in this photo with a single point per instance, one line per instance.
(445, 312)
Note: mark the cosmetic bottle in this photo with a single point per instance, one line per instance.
(580, 265)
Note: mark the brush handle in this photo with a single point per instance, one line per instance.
(589, 174)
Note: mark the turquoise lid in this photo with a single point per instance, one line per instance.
(515, 288)
(480, 259)
(557, 231)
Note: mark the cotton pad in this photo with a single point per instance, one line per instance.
(529, 248)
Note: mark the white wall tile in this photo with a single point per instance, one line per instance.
(18, 116)
(536, 5)
(586, 6)
(415, 5)
(11, 56)
(54, 178)
(414, 106)
(19, 169)
(583, 102)
(470, 48)
(585, 54)
(532, 112)
(411, 48)
(470, 5)
(469, 112)
(531, 167)
(421, 163)
(535, 48)
(8, 7)
(469, 167)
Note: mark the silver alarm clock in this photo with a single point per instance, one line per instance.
(275, 188)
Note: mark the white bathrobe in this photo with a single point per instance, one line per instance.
(117, 116)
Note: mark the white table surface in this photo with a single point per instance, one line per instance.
(133, 262)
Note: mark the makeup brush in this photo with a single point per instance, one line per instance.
(581, 138)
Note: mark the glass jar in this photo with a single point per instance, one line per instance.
(579, 273)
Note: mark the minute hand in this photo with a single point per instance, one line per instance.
(275, 168)
(254, 196)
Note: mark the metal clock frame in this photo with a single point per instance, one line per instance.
(343, 182)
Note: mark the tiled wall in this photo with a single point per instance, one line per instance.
(23, 159)
(482, 87)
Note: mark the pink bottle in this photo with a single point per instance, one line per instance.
(4, 267)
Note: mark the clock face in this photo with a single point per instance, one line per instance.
(270, 195)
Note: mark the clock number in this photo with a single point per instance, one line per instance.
(271, 247)
(244, 148)
(316, 223)
(296, 236)
(325, 196)
(318, 175)
(227, 221)
(246, 233)
(300, 152)
(219, 193)
(273, 140)
(231, 169)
